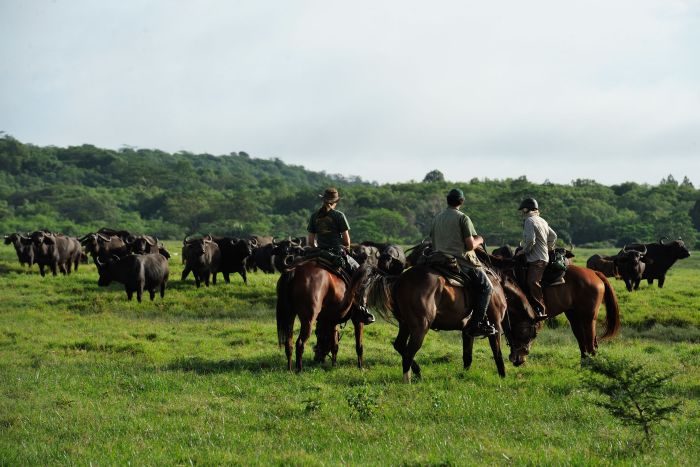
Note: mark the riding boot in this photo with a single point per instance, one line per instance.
(479, 325)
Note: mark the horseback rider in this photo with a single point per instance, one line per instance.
(538, 239)
(452, 232)
(329, 230)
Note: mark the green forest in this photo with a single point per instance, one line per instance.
(79, 189)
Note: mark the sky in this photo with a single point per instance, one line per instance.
(385, 90)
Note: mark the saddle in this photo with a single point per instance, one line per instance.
(553, 274)
(445, 265)
(334, 264)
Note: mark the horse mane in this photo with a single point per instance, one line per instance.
(377, 289)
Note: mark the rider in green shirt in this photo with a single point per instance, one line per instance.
(329, 230)
(452, 232)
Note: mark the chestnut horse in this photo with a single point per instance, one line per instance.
(579, 299)
(314, 294)
(421, 299)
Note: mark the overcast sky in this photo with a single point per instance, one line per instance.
(387, 90)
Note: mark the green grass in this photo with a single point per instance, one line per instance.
(88, 377)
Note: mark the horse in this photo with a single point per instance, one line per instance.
(314, 294)
(578, 298)
(421, 299)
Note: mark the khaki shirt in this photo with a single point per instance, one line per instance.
(448, 231)
(538, 238)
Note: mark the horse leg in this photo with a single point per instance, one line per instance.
(400, 346)
(467, 347)
(359, 349)
(335, 341)
(415, 341)
(578, 333)
(304, 335)
(495, 342)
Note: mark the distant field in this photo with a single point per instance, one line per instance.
(197, 378)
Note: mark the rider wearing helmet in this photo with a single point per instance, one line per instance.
(538, 239)
(452, 232)
(329, 230)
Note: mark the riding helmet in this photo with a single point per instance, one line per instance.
(530, 204)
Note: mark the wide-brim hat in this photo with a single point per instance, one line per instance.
(330, 195)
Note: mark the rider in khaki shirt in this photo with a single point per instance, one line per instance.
(452, 232)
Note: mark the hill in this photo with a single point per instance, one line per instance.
(82, 188)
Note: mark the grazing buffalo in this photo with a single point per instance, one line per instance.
(631, 265)
(102, 246)
(604, 264)
(203, 257)
(661, 256)
(137, 273)
(56, 251)
(23, 247)
(234, 252)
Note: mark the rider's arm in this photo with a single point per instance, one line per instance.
(528, 235)
(346, 238)
(551, 239)
(473, 242)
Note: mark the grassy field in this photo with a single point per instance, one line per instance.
(87, 377)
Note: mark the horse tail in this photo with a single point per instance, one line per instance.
(612, 308)
(285, 312)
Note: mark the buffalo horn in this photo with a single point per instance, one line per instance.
(146, 237)
(661, 240)
(184, 242)
(254, 242)
(103, 237)
(645, 250)
(624, 249)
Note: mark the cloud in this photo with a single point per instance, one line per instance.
(385, 90)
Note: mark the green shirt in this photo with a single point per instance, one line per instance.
(328, 227)
(448, 231)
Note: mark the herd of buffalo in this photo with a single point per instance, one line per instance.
(140, 262)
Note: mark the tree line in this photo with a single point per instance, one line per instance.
(79, 189)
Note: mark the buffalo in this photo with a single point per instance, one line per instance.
(261, 255)
(392, 260)
(285, 252)
(144, 244)
(102, 246)
(604, 264)
(56, 251)
(365, 254)
(661, 256)
(203, 257)
(631, 265)
(234, 252)
(24, 247)
(137, 273)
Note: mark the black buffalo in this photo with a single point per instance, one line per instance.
(604, 264)
(137, 272)
(365, 254)
(24, 247)
(505, 251)
(144, 244)
(201, 256)
(392, 260)
(285, 252)
(234, 252)
(631, 265)
(415, 252)
(662, 256)
(102, 246)
(57, 251)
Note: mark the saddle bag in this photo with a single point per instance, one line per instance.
(440, 260)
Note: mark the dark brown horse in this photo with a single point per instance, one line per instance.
(314, 295)
(580, 299)
(421, 299)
